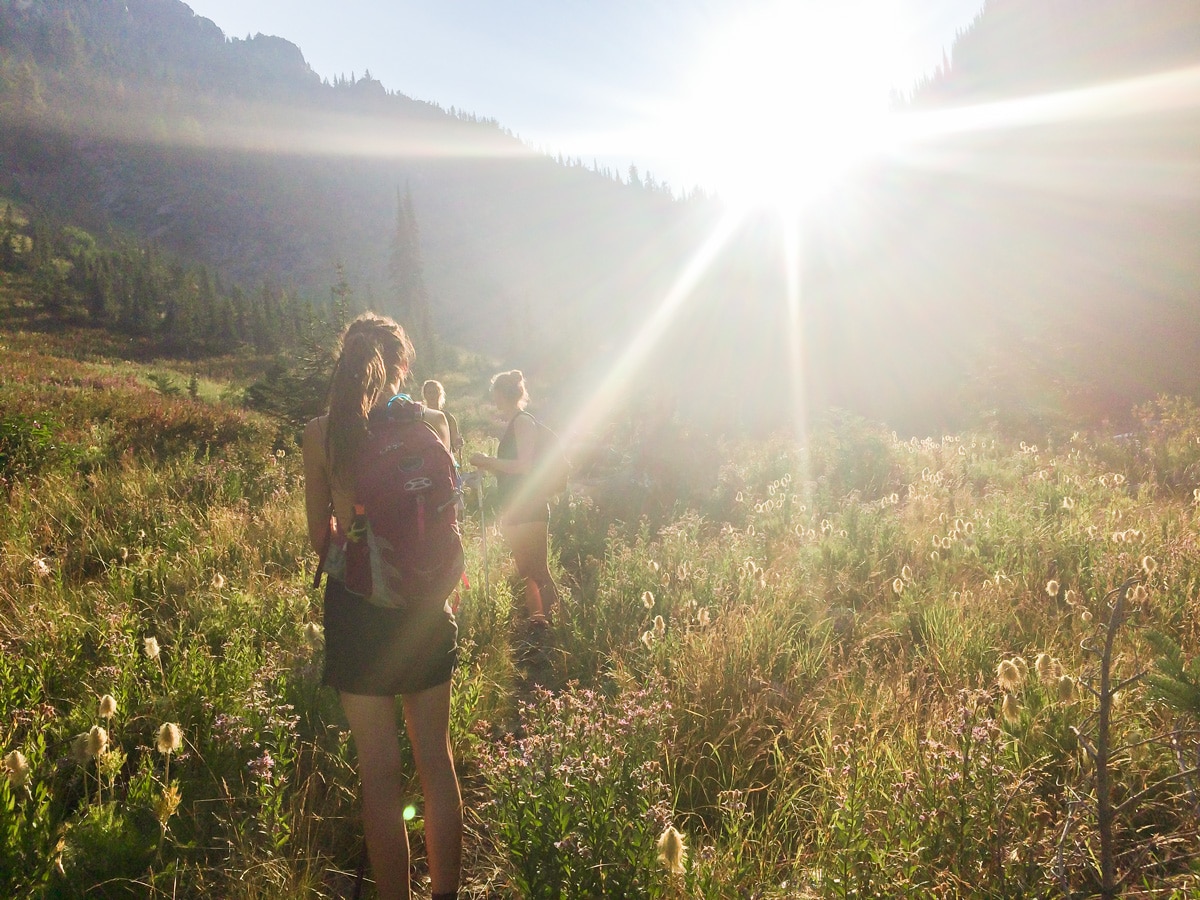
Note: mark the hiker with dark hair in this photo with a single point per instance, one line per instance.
(524, 514)
(372, 652)
(434, 395)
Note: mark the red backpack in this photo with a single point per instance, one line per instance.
(404, 548)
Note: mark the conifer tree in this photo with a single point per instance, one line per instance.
(408, 279)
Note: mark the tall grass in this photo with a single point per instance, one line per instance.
(798, 667)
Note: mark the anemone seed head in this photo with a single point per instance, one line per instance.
(1008, 675)
(17, 768)
(97, 741)
(672, 852)
(1010, 709)
(170, 738)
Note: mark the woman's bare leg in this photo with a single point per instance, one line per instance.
(427, 718)
(528, 544)
(373, 725)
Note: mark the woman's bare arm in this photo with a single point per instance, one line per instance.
(318, 493)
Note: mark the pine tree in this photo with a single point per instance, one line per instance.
(408, 280)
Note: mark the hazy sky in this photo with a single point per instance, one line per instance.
(605, 78)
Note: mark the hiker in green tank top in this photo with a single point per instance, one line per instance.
(524, 520)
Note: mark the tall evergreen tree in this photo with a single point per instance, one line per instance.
(408, 280)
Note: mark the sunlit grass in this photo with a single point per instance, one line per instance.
(817, 634)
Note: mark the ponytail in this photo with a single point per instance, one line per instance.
(375, 354)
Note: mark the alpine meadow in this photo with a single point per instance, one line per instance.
(879, 556)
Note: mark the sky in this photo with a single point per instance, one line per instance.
(680, 88)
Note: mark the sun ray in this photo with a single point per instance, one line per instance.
(613, 390)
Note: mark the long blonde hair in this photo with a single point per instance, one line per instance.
(374, 353)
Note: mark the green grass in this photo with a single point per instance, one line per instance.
(797, 667)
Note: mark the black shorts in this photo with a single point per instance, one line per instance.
(383, 652)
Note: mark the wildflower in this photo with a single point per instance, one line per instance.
(1019, 662)
(152, 648)
(1047, 667)
(41, 568)
(648, 599)
(934, 556)
(123, 553)
(1052, 587)
(969, 528)
(166, 804)
(1072, 598)
(704, 618)
(1118, 479)
(97, 741)
(1149, 564)
(898, 585)
(1008, 675)
(1086, 615)
(262, 767)
(218, 581)
(17, 768)
(170, 738)
(1138, 594)
(1065, 689)
(653, 565)
(79, 748)
(672, 852)
(314, 635)
(660, 626)
(1068, 503)
(1010, 709)
(906, 573)
(108, 706)
(648, 640)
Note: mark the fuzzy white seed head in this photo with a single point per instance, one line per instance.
(151, 647)
(170, 738)
(1010, 709)
(108, 706)
(97, 741)
(672, 852)
(1065, 689)
(17, 769)
(1008, 675)
(314, 635)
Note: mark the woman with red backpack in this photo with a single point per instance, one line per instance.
(372, 652)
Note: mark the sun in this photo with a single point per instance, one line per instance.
(787, 98)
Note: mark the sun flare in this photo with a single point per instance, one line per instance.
(788, 98)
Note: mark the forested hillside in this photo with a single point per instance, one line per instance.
(1034, 258)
